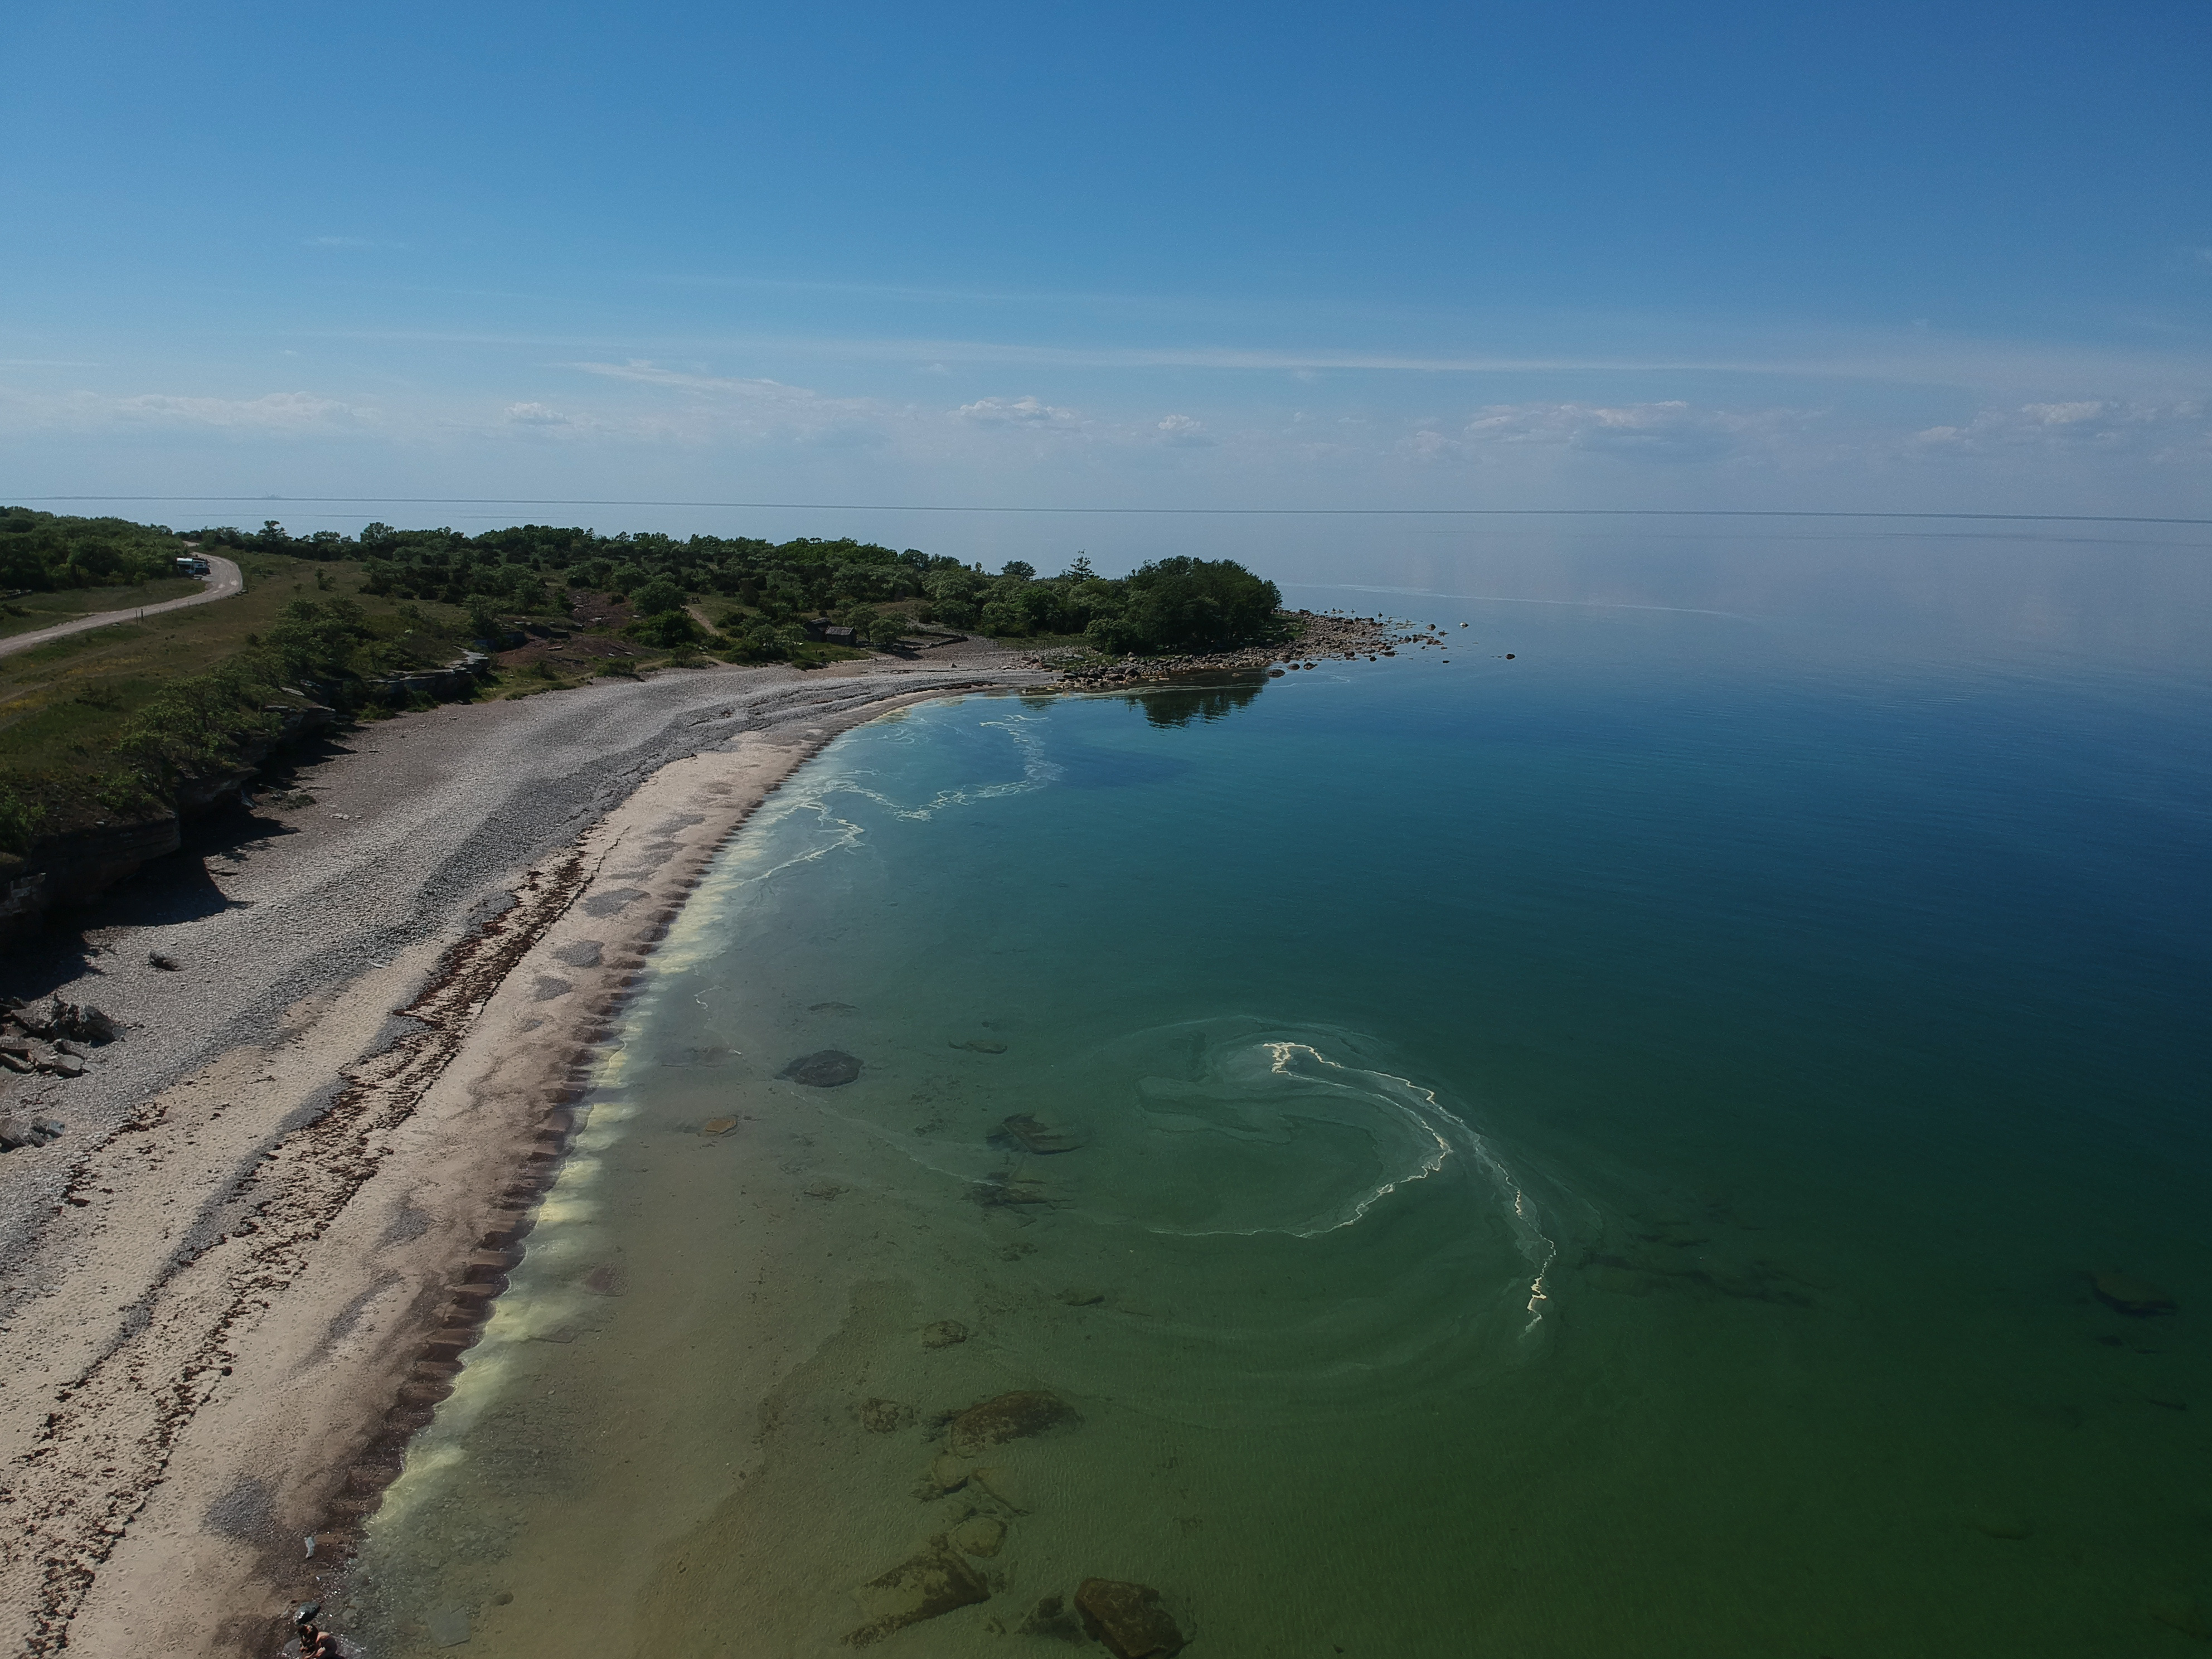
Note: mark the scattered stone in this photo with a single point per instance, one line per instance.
(2131, 1296)
(825, 1069)
(983, 1046)
(166, 964)
(2001, 1523)
(925, 1586)
(1053, 1617)
(882, 1416)
(548, 988)
(1009, 1417)
(1076, 1297)
(944, 1333)
(16, 1062)
(1034, 1136)
(718, 1126)
(93, 1026)
(584, 953)
(980, 1535)
(65, 1065)
(1128, 1618)
(16, 1133)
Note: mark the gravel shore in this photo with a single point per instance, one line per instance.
(213, 1285)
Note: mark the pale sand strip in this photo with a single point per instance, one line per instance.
(207, 1328)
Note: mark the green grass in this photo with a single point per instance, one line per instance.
(28, 612)
(64, 704)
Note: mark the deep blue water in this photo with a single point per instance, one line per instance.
(1600, 1152)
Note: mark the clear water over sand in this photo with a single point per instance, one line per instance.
(1598, 1153)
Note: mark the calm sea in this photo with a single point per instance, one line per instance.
(1606, 1150)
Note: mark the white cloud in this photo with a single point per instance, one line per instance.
(2091, 425)
(1017, 411)
(1673, 430)
(1183, 432)
(276, 412)
(536, 415)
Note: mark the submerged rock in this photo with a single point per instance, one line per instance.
(1053, 1617)
(1009, 1417)
(944, 1333)
(1076, 1296)
(925, 1586)
(718, 1126)
(947, 1474)
(983, 1046)
(999, 1485)
(996, 1191)
(882, 1416)
(1033, 1135)
(1128, 1618)
(2131, 1296)
(980, 1535)
(824, 1069)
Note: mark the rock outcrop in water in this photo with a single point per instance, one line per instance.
(1009, 1417)
(1128, 1618)
(823, 1069)
(1032, 1134)
(2129, 1295)
(927, 1585)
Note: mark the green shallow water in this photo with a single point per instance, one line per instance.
(1598, 1153)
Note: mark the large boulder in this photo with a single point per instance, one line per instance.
(1128, 1618)
(824, 1069)
(929, 1585)
(1008, 1416)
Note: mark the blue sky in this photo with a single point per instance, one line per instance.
(1885, 257)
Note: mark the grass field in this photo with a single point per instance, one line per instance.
(62, 704)
(28, 612)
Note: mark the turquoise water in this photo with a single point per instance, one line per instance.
(1599, 1152)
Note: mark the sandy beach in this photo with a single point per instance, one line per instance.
(225, 1283)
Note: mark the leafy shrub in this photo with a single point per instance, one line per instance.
(657, 596)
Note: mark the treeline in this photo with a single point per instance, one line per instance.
(768, 587)
(41, 552)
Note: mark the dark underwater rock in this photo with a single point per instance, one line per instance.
(1032, 1134)
(1009, 1417)
(1128, 1618)
(2131, 1296)
(825, 1068)
(925, 1586)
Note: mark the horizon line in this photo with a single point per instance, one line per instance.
(1274, 512)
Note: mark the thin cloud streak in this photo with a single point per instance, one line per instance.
(1952, 365)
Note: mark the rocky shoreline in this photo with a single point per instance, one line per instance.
(1320, 634)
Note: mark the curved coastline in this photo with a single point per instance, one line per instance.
(270, 1366)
